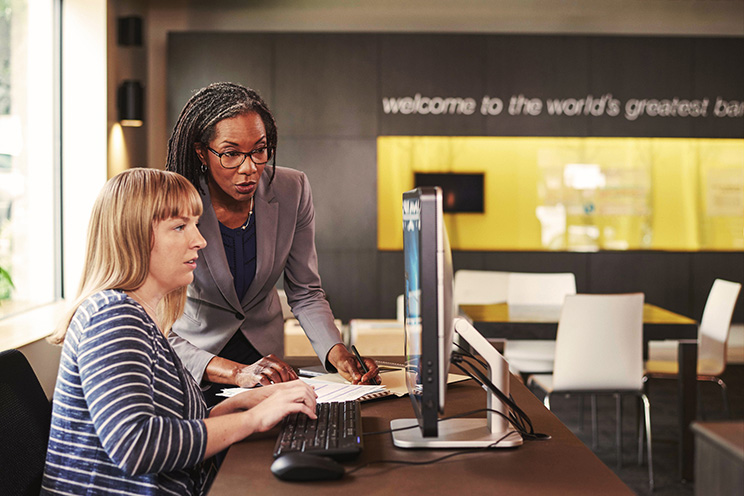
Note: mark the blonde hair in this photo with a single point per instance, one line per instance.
(120, 237)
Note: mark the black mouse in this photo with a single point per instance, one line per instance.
(305, 467)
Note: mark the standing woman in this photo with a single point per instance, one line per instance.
(127, 417)
(259, 223)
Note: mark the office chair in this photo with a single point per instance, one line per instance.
(599, 350)
(25, 416)
(712, 336)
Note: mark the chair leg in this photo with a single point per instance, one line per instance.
(641, 424)
(647, 416)
(594, 422)
(724, 394)
(546, 401)
(700, 404)
(581, 412)
(619, 430)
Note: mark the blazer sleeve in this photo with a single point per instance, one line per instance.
(302, 281)
(194, 359)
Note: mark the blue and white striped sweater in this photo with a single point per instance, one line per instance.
(126, 415)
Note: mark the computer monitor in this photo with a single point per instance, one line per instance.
(429, 306)
(430, 325)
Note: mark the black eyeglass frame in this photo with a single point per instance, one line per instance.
(250, 154)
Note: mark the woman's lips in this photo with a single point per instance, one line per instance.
(245, 188)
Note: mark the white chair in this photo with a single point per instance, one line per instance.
(599, 350)
(539, 289)
(712, 336)
(535, 289)
(480, 287)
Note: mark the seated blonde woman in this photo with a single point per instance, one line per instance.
(127, 417)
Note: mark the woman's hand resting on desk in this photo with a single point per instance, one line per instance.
(348, 366)
(268, 370)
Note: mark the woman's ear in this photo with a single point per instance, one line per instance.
(201, 152)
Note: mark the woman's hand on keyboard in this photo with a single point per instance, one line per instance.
(281, 400)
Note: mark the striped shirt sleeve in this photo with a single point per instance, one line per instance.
(117, 357)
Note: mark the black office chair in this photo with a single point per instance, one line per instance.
(25, 415)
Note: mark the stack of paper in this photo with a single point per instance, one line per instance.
(326, 391)
(333, 387)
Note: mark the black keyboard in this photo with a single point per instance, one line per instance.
(337, 432)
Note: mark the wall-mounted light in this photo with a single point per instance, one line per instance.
(130, 103)
(130, 31)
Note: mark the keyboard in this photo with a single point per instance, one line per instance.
(336, 433)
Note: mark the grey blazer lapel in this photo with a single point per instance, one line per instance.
(266, 209)
(214, 252)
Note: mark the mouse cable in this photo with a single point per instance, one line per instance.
(435, 460)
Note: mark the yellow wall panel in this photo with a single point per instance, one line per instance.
(576, 193)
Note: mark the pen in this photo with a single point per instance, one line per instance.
(361, 362)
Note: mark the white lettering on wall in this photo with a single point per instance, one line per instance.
(429, 105)
(585, 106)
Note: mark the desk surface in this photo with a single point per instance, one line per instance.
(561, 465)
(541, 321)
(502, 312)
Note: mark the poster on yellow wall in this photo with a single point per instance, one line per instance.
(578, 194)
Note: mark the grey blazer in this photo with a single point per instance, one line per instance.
(285, 242)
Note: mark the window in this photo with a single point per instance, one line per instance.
(29, 155)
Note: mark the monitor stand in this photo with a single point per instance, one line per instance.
(493, 431)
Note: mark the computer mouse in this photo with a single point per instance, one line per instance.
(306, 467)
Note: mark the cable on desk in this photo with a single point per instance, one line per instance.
(517, 417)
(435, 460)
(517, 426)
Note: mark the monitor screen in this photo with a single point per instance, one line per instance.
(461, 193)
(429, 306)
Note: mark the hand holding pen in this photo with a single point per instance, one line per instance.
(363, 366)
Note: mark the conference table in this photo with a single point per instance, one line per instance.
(562, 465)
(501, 321)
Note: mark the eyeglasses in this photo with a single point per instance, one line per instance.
(234, 159)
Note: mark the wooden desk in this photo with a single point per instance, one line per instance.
(562, 465)
(541, 322)
(719, 464)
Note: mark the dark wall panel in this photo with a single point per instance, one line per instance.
(642, 69)
(198, 59)
(326, 85)
(440, 66)
(544, 67)
(343, 177)
(350, 282)
(719, 72)
(664, 277)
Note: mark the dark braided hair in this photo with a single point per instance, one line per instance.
(198, 119)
